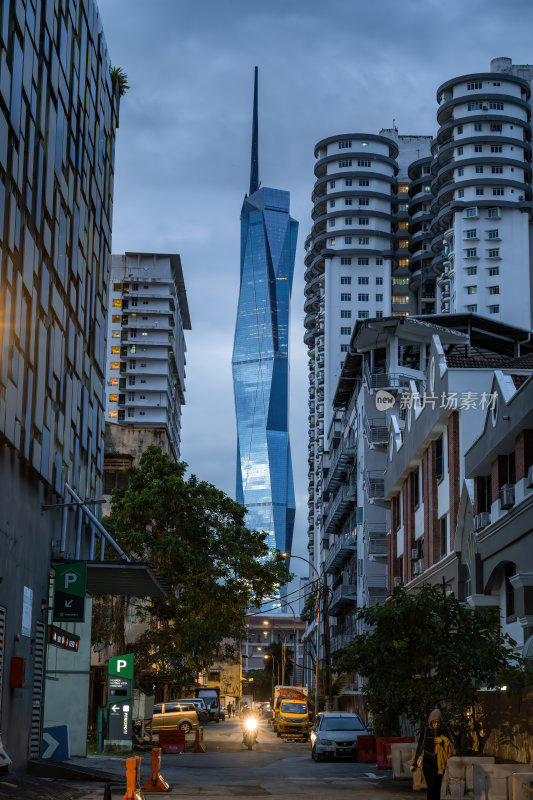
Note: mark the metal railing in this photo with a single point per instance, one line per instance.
(376, 431)
(375, 484)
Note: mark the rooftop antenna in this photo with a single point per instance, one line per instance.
(254, 166)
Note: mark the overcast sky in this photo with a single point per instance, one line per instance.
(183, 147)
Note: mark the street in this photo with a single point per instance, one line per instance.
(274, 768)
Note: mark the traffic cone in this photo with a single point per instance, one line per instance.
(198, 746)
(156, 782)
(133, 774)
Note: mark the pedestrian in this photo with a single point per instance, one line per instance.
(432, 754)
(230, 709)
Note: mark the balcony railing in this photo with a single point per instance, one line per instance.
(337, 508)
(376, 538)
(386, 380)
(344, 595)
(376, 431)
(375, 484)
(340, 458)
(342, 548)
(340, 640)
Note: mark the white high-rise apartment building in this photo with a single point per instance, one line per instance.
(145, 359)
(482, 194)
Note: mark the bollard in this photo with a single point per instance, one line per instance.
(133, 775)
(198, 746)
(107, 792)
(156, 782)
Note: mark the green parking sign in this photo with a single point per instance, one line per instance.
(70, 586)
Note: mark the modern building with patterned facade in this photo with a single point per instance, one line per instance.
(58, 117)
(260, 363)
(145, 359)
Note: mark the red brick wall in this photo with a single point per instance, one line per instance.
(454, 476)
(498, 472)
(523, 453)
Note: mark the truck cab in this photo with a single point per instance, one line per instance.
(292, 719)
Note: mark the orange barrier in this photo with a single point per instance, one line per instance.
(198, 746)
(133, 779)
(156, 782)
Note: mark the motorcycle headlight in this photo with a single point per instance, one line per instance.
(251, 725)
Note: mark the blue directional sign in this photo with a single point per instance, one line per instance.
(56, 743)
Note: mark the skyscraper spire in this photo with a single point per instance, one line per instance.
(254, 166)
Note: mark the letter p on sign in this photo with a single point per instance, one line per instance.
(70, 577)
(121, 664)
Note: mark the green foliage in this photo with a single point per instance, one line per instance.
(425, 649)
(309, 609)
(119, 76)
(195, 537)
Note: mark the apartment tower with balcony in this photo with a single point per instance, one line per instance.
(145, 359)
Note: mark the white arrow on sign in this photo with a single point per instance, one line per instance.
(115, 708)
(52, 743)
(68, 603)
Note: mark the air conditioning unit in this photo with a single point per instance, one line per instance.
(530, 478)
(414, 554)
(507, 496)
(481, 520)
(397, 581)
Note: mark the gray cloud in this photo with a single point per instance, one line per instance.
(183, 146)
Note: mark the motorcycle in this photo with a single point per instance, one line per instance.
(249, 731)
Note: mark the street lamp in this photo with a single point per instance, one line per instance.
(319, 585)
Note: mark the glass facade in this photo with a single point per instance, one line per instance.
(261, 367)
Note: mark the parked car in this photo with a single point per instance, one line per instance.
(201, 708)
(266, 711)
(334, 735)
(176, 715)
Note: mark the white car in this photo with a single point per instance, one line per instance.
(335, 735)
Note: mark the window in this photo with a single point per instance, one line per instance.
(494, 252)
(113, 413)
(415, 488)
(443, 531)
(439, 459)
(493, 234)
(398, 281)
(472, 309)
(363, 162)
(364, 240)
(362, 262)
(379, 281)
(115, 334)
(364, 221)
(459, 129)
(144, 333)
(134, 301)
(471, 289)
(475, 106)
(331, 223)
(344, 348)
(471, 270)
(346, 331)
(478, 148)
(494, 309)
(379, 298)
(114, 365)
(379, 314)
(331, 242)
(497, 170)
(496, 127)
(498, 192)
(474, 85)
(379, 262)
(131, 380)
(332, 203)
(131, 412)
(113, 381)
(471, 234)
(403, 226)
(496, 148)
(117, 302)
(461, 193)
(332, 184)
(347, 240)
(403, 188)
(346, 314)
(402, 299)
(347, 201)
(115, 350)
(346, 280)
(363, 281)
(494, 271)
(480, 191)
(471, 252)
(364, 201)
(494, 289)
(115, 318)
(459, 151)
(345, 298)
(510, 611)
(479, 170)
(348, 182)
(493, 212)
(362, 314)
(460, 172)
(113, 398)
(348, 220)
(471, 212)
(496, 106)
(403, 244)
(363, 298)
(346, 261)
(344, 164)
(344, 144)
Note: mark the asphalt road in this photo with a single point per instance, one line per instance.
(274, 768)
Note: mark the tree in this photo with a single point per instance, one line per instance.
(426, 649)
(216, 568)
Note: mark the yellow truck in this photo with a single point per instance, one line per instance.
(291, 713)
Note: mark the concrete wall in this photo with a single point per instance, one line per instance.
(121, 441)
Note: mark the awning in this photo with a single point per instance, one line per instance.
(129, 580)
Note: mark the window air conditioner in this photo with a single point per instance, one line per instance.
(481, 520)
(397, 581)
(530, 478)
(507, 496)
(414, 554)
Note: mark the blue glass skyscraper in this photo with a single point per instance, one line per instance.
(260, 358)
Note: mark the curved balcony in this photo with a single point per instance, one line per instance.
(343, 596)
(341, 550)
(446, 131)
